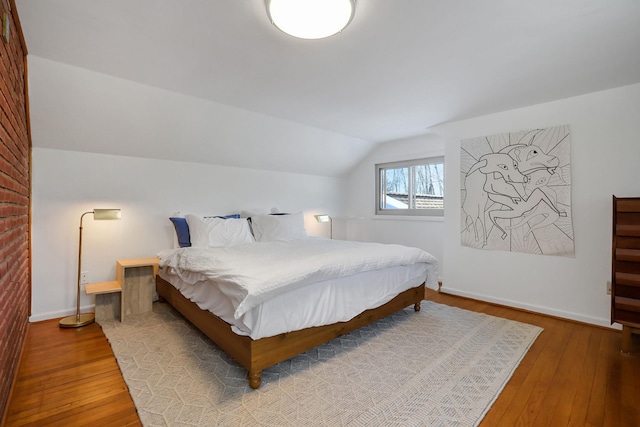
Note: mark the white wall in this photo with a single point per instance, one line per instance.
(605, 160)
(76, 109)
(605, 155)
(67, 184)
(81, 106)
(362, 223)
(94, 138)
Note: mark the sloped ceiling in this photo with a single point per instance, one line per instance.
(399, 68)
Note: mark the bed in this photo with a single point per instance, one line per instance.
(273, 293)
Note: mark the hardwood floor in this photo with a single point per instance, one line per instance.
(69, 377)
(573, 375)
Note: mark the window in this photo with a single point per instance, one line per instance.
(412, 187)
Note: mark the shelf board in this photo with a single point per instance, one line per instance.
(628, 230)
(628, 255)
(628, 279)
(631, 204)
(635, 326)
(102, 288)
(138, 262)
(627, 304)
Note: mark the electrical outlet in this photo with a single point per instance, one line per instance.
(608, 287)
(84, 277)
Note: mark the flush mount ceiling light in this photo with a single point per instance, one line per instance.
(311, 19)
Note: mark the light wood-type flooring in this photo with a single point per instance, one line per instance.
(69, 377)
(573, 375)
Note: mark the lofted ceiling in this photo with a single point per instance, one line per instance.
(399, 68)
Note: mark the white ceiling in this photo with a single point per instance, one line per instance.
(399, 68)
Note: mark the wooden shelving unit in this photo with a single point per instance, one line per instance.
(625, 267)
(131, 292)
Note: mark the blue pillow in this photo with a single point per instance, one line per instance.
(182, 228)
(182, 231)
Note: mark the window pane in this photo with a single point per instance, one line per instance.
(429, 186)
(396, 189)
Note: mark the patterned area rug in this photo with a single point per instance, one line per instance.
(443, 366)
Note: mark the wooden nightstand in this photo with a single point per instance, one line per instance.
(131, 292)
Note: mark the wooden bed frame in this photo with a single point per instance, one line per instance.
(256, 355)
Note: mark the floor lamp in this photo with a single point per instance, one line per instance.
(326, 218)
(78, 319)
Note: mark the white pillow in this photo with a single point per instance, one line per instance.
(218, 232)
(267, 228)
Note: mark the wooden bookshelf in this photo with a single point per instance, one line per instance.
(625, 267)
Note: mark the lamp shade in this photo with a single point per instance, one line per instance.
(311, 19)
(326, 218)
(101, 214)
(323, 218)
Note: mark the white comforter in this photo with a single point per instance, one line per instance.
(252, 273)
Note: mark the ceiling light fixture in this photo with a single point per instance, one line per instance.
(311, 19)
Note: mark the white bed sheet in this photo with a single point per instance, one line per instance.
(316, 304)
(252, 273)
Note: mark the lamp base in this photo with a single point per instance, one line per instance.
(77, 321)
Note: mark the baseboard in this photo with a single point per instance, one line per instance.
(566, 315)
(60, 313)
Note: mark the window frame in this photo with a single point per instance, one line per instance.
(407, 164)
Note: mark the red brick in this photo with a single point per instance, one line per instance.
(15, 193)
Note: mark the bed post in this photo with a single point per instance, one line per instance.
(255, 379)
(416, 306)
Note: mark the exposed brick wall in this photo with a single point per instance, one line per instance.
(15, 193)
